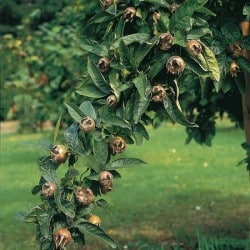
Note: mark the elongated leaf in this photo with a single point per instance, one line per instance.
(72, 139)
(88, 109)
(75, 112)
(144, 49)
(126, 57)
(161, 3)
(100, 18)
(86, 227)
(67, 208)
(141, 83)
(95, 49)
(180, 20)
(97, 77)
(213, 65)
(90, 90)
(115, 121)
(137, 37)
(101, 151)
(175, 114)
(140, 105)
(123, 163)
(46, 144)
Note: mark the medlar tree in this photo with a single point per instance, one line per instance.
(147, 61)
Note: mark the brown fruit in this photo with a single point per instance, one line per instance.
(94, 219)
(48, 189)
(117, 145)
(245, 28)
(111, 101)
(84, 196)
(87, 124)
(104, 64)
(175, 65)
(234, 69)
(158, 93)
(59, 154)
(173, 7)
(105, 181)
(129, 14)
(165, 41)
(194, 47)
(62, 237)
(106, 3)
(235, 49)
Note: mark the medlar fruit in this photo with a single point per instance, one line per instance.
(234, 69)
(62, 237)
(194, 47)
(129, 14)
(84, 196)
(111, 101)
(117, 145)
(235, 49)
(59, 154)
(158, 93)
(175, 65)
(104, 64)
(87, 124)
(48, 189)
(173, 7)
(105, 181)
(94, 219)
(106, 3)
(165, 41)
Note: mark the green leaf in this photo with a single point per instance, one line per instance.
(100, 18)
(244, 64)
(141, 83)
(180, 20)
(86, 227)
(36, 189)
(140, 129)
(246, 10)
(96, 49)
(212, 64)
(197, 33)
(137, 37)
(48, 169)
(101, 151)
(97, 77)
(140, 105)
(90, 90)
(161, 3)
(75, 112)
(72, 139)
(126, 57)
(111, 120)
(123, 163)
(87, 108)
(67, 207)
(144, 49)
(175, 114)
(206, 11)
(46, 144)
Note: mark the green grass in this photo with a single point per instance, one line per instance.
(184, 189)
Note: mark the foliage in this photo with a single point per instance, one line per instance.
(146, 61)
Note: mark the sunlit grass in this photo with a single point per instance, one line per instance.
(182, 189)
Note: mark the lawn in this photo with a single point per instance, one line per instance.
(182, 191)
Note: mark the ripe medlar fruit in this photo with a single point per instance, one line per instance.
(84, 196)
(165, 41)
(104, 64)
(106, 3)
(117, 145)
(48, 189)
(175, 65)
(62, 237)
(129, 14)
(194, 47)
(173, 7)
(234, 69)
(158, 93)
(105, 181)
(87, 124)
(59, 154)
(235, 49)
(111, 101)
(94, 219)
